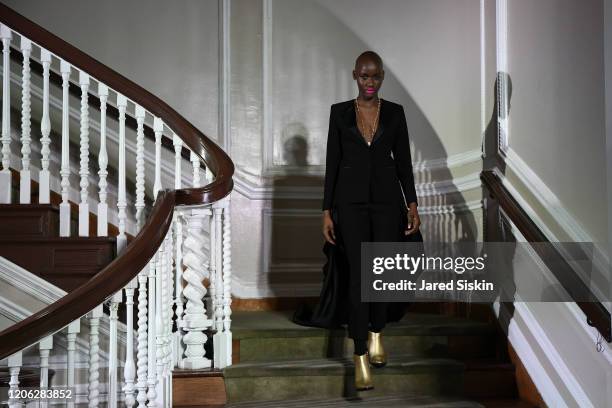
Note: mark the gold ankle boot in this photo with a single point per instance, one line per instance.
(363, 378)
(378, 357)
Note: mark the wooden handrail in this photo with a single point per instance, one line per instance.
(597, 315)
(136, 256)
(86, 297)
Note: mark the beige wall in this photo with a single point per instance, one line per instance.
(557, 115)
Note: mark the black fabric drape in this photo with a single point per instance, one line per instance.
(331, 311)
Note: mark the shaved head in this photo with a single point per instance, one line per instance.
(368, 56)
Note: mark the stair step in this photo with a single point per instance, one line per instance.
(333, 377)
(66, 262)
(28, 220)
(399, 400)
(271, 335)
(487, 378)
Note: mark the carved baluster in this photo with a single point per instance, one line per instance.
(151, 368)
(142, 338)
(14, 365)
(73, 330)
(160, 286)
(45, 347)
(195, 163)
(209, 176)
(94, 356)
(178, 254)
(112, 350)
(5, 174)
(103, 163)
(65, 168)
(84, 150)
(195, 320)
(45, 130)
(216, 249)
(140, 174)
(158, 128)
(26, 114)
(227, 278)
(129, 371)
(169, 302)
(121, 199)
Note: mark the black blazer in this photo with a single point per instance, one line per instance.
(356, 172)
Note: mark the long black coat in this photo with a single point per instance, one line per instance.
(356, 172)
(331, 311)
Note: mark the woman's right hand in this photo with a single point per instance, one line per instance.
(328, 228)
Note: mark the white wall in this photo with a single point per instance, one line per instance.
(169, 48)
(301, 54)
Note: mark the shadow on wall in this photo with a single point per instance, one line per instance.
(295, 240)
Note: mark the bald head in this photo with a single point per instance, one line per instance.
(368, 57)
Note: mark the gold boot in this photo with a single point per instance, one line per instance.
(363, 378)
(378, 357)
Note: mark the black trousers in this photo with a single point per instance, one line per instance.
(366, 222)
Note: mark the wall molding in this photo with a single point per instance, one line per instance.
(524, 322)
(256, 187)
(551, 203)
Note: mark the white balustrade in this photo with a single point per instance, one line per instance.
(25, 179)
(103, 163)
(94, 356)
(65, 168)
(112, 352)
(45, 346)
(171, 292)
(151, 367)
(122, 200)
(14, 364)
(84, 150)
(129, 371)
(44, 196)
(225, 350)
(5, 174)
(195, 319)
(140, 174)
(73, 330)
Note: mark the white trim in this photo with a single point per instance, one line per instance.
(259, 287)
(225, 73)
(537, 372)
(501, 11)
(545, 196)
(524, 350)
(267, 139)
(25, 281)
(256, 187)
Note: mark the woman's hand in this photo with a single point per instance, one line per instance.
(414, 221)
(328, 228)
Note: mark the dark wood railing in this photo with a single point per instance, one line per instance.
(597, 315)
(136, 256)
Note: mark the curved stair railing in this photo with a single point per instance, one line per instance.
(185, 239)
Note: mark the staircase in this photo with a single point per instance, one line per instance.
(137, 223)
(435, 360)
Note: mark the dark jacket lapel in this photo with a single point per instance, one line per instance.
(351, 121)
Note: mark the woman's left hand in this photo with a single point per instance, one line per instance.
(414, 221)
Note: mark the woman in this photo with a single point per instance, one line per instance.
(368, 182)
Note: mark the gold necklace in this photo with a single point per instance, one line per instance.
(372, 130)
